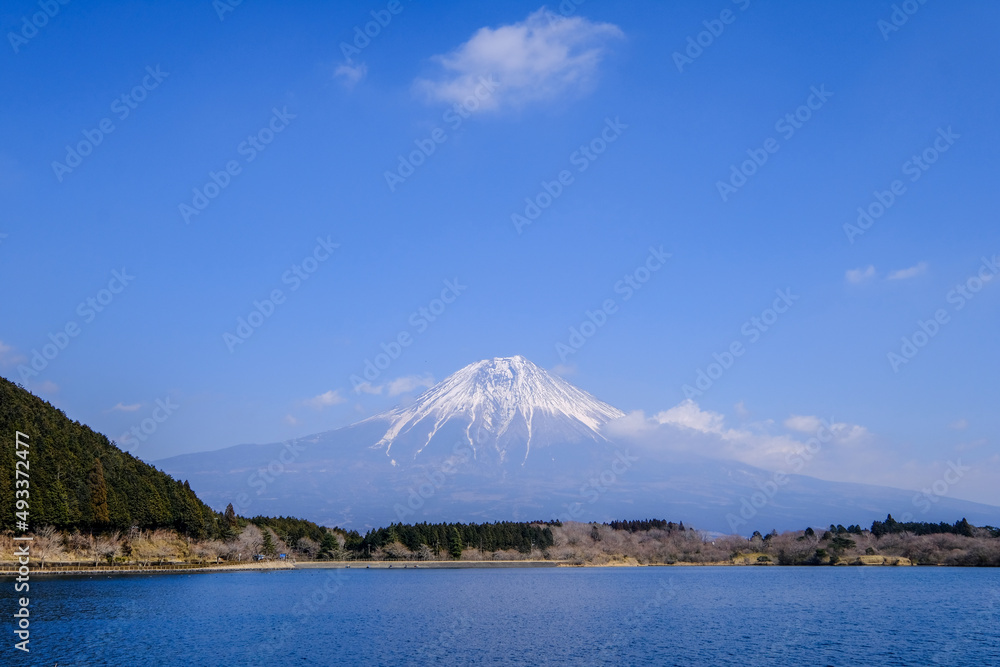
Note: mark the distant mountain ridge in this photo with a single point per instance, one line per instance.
(502, 439)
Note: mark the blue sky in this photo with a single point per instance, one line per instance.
(330, 122)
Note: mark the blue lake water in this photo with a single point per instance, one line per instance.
(624, 616)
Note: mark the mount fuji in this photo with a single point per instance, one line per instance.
(501, 407)
(503, 439)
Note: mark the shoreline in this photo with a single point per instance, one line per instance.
(152, 569)
(10, 570)
(423, 565)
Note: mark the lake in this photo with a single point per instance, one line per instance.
(559, 616)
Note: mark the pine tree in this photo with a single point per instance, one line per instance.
(230, 516)
(268, 549)
(455, 545)
(98, 494)
(328, 545)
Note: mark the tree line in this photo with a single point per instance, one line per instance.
(453, 538)
(80, 479)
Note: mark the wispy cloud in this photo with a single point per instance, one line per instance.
(350, 75)
(325, 400)
(960, 425)
(912, 272)
(858, 276)
(47, 387)
(8, 357)
(564, 370)
(121, 407)
(369, 388)
(291, 420)
(803, 423)
(688, 429)
(408, 383)
(535, 60)
(401, 385)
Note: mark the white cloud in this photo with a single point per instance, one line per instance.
(8, 357)
(369, 388)
(912, 272)
(121, 407)
(741, 410)
(47, 387)
(858, 276)
(564, 370)
(350, 75)
(400, 385)
(836, 451)
(960, 425)
(803, 424)
(325, 400)
(535, 60)
(408, 383)
(291, 421)
(688, 415)
(686, 428)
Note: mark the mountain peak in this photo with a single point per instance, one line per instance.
(499, 405)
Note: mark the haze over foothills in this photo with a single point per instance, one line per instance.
(725, 243)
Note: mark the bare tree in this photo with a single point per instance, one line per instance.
(250, 541)
(48, 544)
(207, 551)
(397, 551)
(107, 547)
(307, 547)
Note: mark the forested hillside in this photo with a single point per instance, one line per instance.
(79, 479)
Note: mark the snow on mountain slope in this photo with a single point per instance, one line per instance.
(501, 405)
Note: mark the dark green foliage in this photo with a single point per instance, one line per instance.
(79, 479)
(269, 548)
(290, 529)
(890, 526)
(327, 546)
(646, 525)
(98, 510)
(842, 543)
(455, 546)
(439, 537)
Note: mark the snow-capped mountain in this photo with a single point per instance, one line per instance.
(504, 439)
(501, 407)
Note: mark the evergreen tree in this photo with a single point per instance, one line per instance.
(455, 544)
(268, 549)
(98, 494)
(328, 545)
